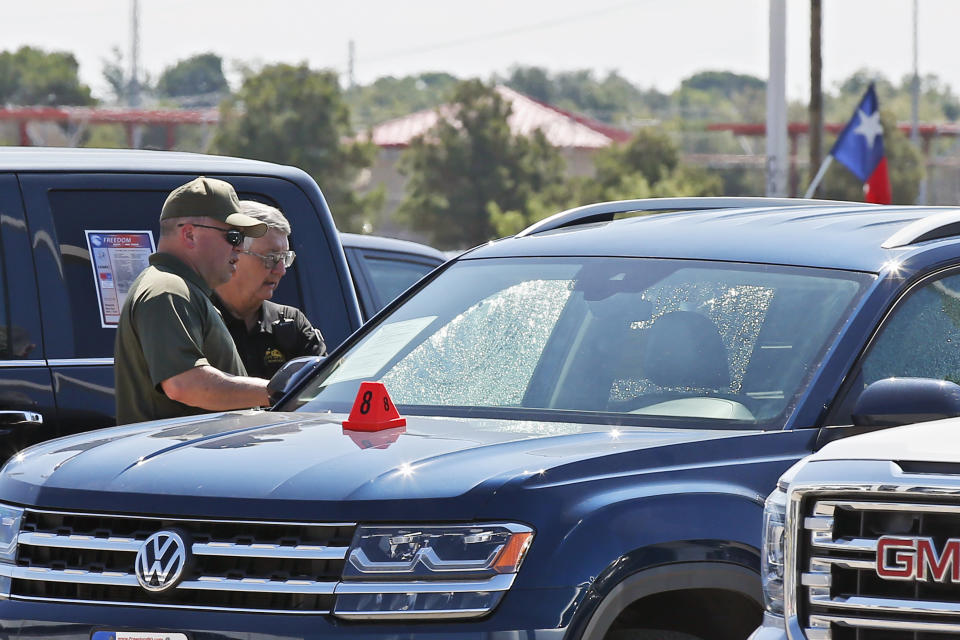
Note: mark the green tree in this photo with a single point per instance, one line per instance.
(612, 99)
(30, 76)
(534, 82)
(721, 95)
(650, 152)
(295, 115)
(646, 167)
(726, 83)
(198, 78)
(461, 170)
(389, 97)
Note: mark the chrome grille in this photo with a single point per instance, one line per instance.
(839, 594)
(275, 567)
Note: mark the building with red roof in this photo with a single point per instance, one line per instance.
(577, 138)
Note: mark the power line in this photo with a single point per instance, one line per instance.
(496, 34)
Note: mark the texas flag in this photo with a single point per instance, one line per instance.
(860, 149)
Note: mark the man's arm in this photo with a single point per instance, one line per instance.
(209, 388)
(311, 340)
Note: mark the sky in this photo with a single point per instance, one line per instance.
(653, 43)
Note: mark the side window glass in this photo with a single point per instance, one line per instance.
(922, 337)
(15, 342)
(74, 212)
(390, 278)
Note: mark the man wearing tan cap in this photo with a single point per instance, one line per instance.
(173, 353)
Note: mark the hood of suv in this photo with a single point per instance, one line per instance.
(306, 464)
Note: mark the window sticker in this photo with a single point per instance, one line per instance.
(381, 347)
(117, 258)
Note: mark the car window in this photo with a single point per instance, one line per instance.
(921, 338)
(640, 338)
(392, 276)
(473, 359)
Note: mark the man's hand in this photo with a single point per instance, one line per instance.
(209, 388)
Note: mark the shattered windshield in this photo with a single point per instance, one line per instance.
(626, 340)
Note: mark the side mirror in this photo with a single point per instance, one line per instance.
(897, 401)
(290, 374)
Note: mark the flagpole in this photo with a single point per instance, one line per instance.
(817, 178)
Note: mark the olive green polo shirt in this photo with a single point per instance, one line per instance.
(168, 325)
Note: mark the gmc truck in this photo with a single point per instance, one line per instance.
(861, 538)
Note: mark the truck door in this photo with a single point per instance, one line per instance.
(27, 410)
(61, 209)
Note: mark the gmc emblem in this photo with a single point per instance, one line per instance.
(901, 558)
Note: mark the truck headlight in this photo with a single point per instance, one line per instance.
(432, 571)
(771, 559)
(10, 518)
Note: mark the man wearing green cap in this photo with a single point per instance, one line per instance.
(173, 355)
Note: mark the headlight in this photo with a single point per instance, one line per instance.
(771, 559)
(10, 518)
(452, 571)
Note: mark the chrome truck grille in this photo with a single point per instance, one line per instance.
(276, 567)
(877, 566)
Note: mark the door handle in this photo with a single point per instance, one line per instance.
(20, 417)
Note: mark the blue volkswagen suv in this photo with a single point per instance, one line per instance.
(590, 416)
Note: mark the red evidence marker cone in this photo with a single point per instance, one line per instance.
(373, 410)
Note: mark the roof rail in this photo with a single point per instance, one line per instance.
(938, 225)
(605, 211)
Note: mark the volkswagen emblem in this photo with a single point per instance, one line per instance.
(161, 560)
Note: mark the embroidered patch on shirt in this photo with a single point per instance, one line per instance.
(273, 356)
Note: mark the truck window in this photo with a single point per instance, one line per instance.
(76, 211)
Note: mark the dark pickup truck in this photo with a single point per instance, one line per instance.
(590, 416)
(60, 209)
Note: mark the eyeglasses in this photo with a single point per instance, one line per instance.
(233, 236)
(271, 260)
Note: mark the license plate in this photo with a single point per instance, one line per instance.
(137, 635)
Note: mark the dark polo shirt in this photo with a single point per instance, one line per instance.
(168, 325)
(280, 333)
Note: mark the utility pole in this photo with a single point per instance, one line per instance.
(134, 131)
(133, 98)
(816, 87)
(915, 106)
(777, 101)
(351, 56)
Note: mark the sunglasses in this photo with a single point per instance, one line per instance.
(271, 260)
(233, 236)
